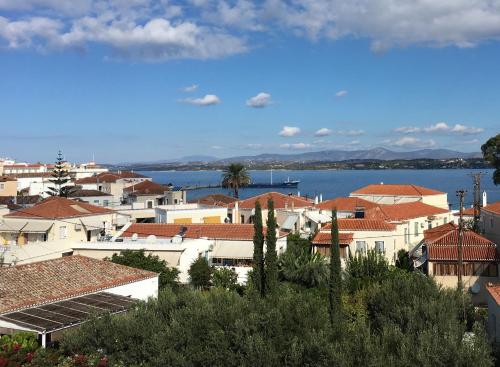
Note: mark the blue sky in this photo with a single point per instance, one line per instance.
(109, 78)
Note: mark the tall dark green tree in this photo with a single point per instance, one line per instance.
(200, 273)
(234, 177)
(60, 179)
(258, 274)
(491, 153)
(335, 281)
(271, 255)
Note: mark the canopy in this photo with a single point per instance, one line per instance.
(289, 222)
(233, 250)
(31, 226)
(92, 223)
(318, 217)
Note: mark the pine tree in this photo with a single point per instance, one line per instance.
(60, 179)
(271, 256)
(258, 274)
(335, 281)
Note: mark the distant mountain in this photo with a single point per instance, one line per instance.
(342, 155)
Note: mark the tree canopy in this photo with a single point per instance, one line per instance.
(491, 153)
(60, 179)
(235, 176)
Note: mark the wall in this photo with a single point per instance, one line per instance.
(98, 200)
(8, 188)
(493, 318)
(144, 289)
(195, 215)
(491, 226)
(393, 242)
(440, 200)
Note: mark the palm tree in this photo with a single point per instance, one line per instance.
(235, 176)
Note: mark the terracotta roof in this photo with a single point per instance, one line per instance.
(494, 291)
(442, 245)
(348, 204)
(493, 208)
(33, 284)
(27, 165)
(411, 210)
(467, 212)
(86, 193)
(215, 199)
(58, 207)
(147, 188)
(396, 190)
(362, 224)
(280, 201)
(109, 177)
(325, 238)
(7, 178)
(212, 231)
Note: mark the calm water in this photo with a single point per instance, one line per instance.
(338, 183)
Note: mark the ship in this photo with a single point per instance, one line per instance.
(278, 185)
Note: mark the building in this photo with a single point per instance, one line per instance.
(190, 213)
(398, 194)
(48, 297)
(8, 186)
(152, 194)
(230, 245)
(19, 168)
(440, 259)
(83, 170)
(34, 183)
(493, 300)
(289, 210)
(490, 218)
(215, 200)
(57, 218)
(112, 183)
(93, 197)
(347, 207)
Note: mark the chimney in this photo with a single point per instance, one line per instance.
(359, 212)
(298, 194)
(485, 199)
(316, 200)
(320, 198)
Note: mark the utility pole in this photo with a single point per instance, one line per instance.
(461, 195)
(476, 177)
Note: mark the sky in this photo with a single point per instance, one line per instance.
(141, 80)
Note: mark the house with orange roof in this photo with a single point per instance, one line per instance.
(490, 219)
(493, 300)
(152, 194)
(48, 297)
(289, 210)
(398, 194)
(440, 259)
(8, 186)
(57, 219)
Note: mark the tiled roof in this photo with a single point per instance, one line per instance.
(7, 178)
(212, 231)
(467, 212)
(493, 208)
(396, 190)
(362, 224)
(348, 204)
(411, 210)
(281, 201)
(58, 207)
(86, 193)
(442, 245)
(215, 199)
(494, 291)
(325, 238)
(109, 177)
(48, 281)
(147, 188)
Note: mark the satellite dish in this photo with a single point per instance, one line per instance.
(475, 288)
(135, 236)
(151, 238)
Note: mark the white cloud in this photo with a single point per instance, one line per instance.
(440, 127)
(189, 88)
(351, 132)
(261, 100)
(407, 129)
(207, 100)
(254, 146)
(341, 93)
(296, 146)
(323, 132)
(411, 142)
(462, 129)
(216, 147)
(288, 131)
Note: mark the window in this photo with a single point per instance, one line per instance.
(150, 204)
(379, 247)
(360, 247)
(468, 269)
(242, 218)
(63, 232)
(429, 225)
(444, 220)
(406, 236)
(96, 201)
(105, 202)
(415, 229)
(2, 186)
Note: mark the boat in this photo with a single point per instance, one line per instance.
(285, 184)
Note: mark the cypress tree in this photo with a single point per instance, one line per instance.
(271, 256)
(258, 275)
(335, 281)
(60, 179)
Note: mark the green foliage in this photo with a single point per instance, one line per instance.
(138, 259)
(60, 179)
(271, 258)
(403, 261)
(364, 270)
(258, 273)
(234, 177)
(335, 281)
(225, 278)
(491, 153)
(200, 273)
(299, 265)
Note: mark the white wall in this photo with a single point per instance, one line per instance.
(144, 289)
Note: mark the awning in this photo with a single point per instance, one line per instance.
(31, 226)
(227, 250)
(171, 257)
(318, 217)
(12, 225)
(289, 222)
(92, 224)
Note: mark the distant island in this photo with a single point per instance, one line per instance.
(378, 158)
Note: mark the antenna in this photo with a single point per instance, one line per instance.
(476, 177)
(461, 195)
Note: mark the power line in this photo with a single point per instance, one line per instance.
(461, 195)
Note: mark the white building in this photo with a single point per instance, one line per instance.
(490, 218)
(190, 213)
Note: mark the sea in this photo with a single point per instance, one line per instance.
(334, 183)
